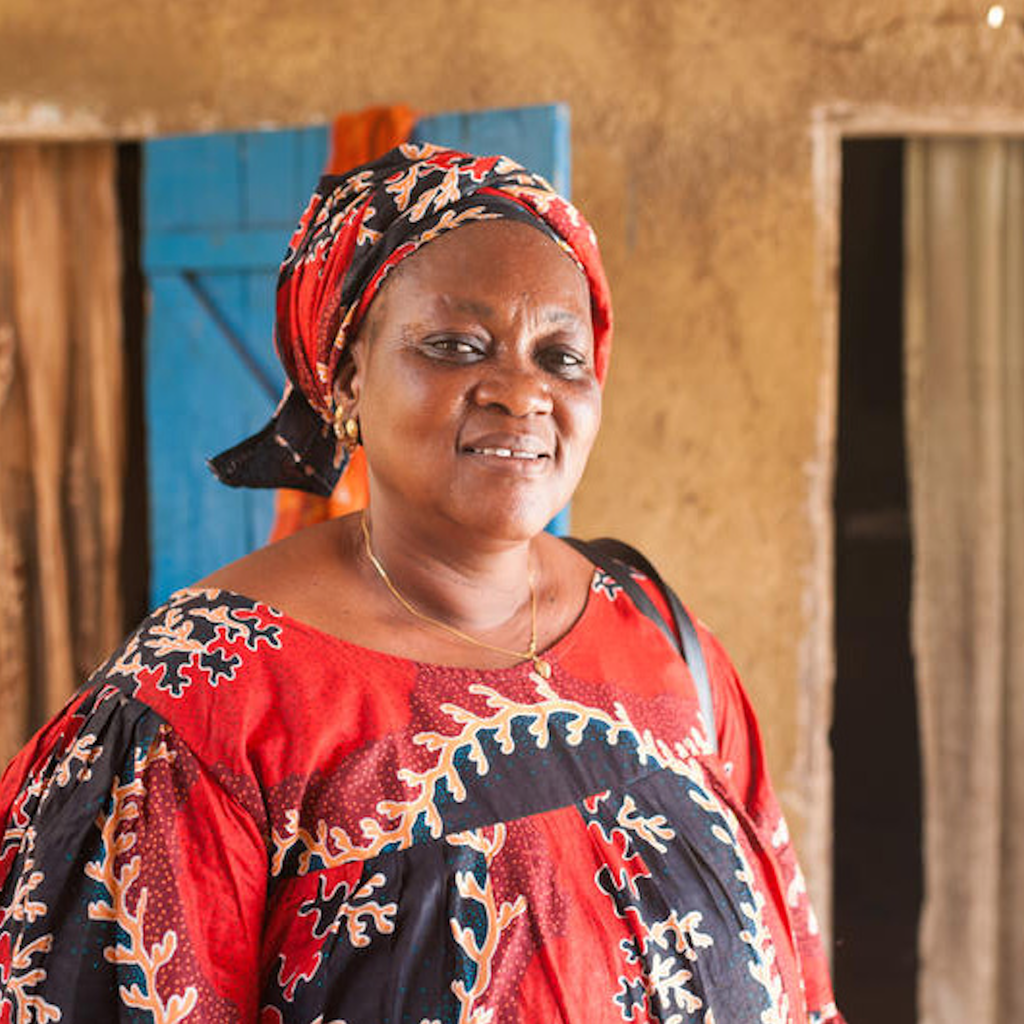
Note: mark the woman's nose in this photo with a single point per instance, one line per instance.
(518, 390)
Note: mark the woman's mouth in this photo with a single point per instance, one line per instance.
(506, 453)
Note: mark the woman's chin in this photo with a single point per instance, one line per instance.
(508, 520)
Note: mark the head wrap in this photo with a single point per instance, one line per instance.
(356, 229)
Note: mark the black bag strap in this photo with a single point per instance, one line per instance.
(615, 558)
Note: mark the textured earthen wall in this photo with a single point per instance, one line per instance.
(692, 136)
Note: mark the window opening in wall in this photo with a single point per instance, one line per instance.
(877, 784)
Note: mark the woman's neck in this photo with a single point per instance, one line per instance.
(472, 583)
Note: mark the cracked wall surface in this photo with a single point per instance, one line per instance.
(693, 157)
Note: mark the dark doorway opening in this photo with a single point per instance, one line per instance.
(135, 550)
(878, 869)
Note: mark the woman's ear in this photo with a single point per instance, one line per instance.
(348, 380)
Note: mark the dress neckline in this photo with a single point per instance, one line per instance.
(555, 650)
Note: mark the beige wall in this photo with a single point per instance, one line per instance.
(695, 160)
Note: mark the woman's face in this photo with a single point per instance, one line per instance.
(473, 380)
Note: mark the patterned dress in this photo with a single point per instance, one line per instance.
(243, 818)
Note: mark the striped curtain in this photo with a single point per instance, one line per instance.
(965, 420)
(62, 434)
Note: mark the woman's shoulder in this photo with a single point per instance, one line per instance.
(205, 663)
(290, 573)
(199, 639)
(237, 679)
(160, 674)
(313, 578)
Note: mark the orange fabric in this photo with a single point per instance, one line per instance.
(358, 138)
(298, 509)
(355, 139)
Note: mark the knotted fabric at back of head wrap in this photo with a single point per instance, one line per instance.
(355, 230)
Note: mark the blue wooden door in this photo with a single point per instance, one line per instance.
(538, 137)
(218, 211)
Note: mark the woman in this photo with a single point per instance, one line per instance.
(427, 763)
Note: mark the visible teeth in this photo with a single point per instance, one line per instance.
(506, 453)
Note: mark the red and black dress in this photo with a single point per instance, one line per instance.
(243, 818)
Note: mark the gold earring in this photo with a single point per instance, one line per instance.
(346, 430)
(338, 423)
(352, 437)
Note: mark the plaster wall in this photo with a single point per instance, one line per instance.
(694, 157)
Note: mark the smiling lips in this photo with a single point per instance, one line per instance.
(521, 449)
(506, 453)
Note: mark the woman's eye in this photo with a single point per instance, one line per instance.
(457, 347)
(564, 360)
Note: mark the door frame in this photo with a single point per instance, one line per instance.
(831, 125)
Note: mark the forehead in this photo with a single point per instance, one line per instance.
(490, 263)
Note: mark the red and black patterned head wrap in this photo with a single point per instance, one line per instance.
(355, 230)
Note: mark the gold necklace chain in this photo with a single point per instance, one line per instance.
(542, 667)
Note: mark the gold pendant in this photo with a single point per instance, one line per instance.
(542, 667)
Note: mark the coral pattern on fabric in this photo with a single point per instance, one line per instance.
(242, 818)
